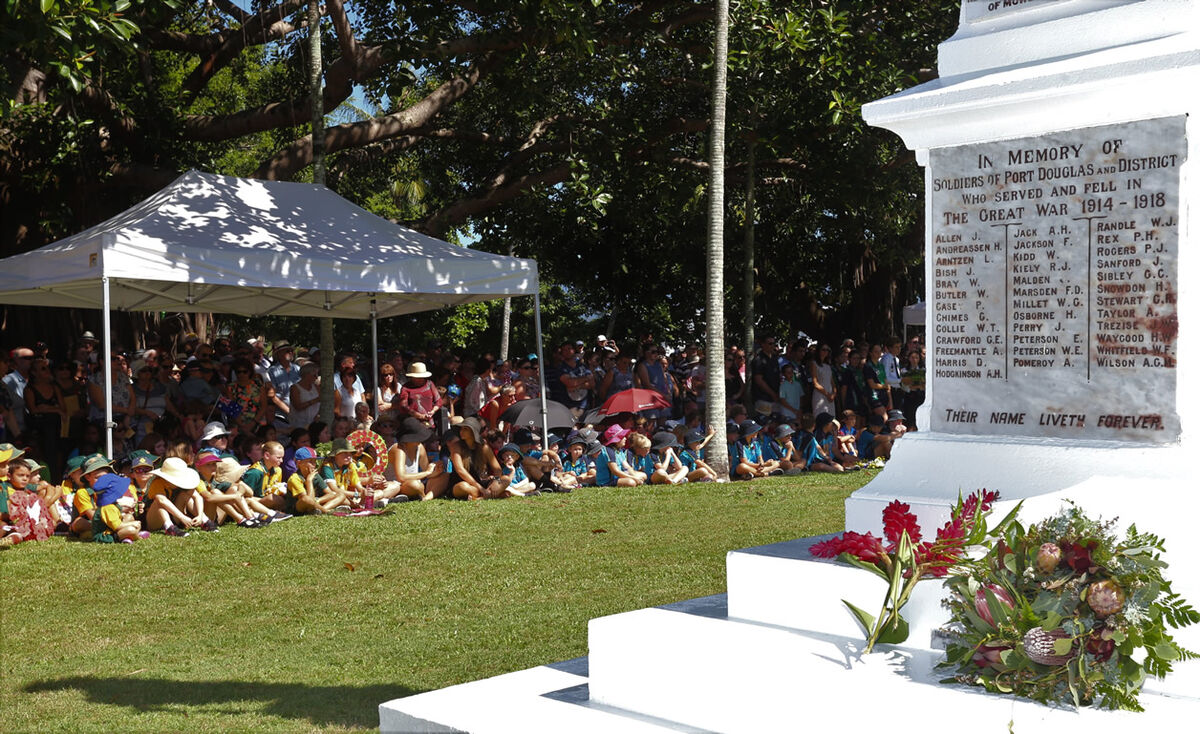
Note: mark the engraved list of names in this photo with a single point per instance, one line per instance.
(1055, 282)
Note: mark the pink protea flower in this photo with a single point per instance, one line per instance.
(989, 656)
(981, 605)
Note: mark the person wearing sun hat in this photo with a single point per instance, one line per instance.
(577, 469)
(418, 397)
(612, 463)
(668, 469)
(410, 465)
(474, 465)
(308, 491)
(692, 455)
(9, 455)
(113, 520)
(512, 476)
(83, 501)
(751, 463)
(174, 483)
(215, 435)
(341, 470)
(222, 500)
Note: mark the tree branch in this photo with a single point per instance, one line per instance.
(458, 212)
(261, 28)
(297, 155)
(345, 34)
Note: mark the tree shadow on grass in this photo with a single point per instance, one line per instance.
(347, 706)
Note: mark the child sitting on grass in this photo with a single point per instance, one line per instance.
(512, 474)
(20, 475)
(692, 457)
(810, 449)
(226, 501)
(642, 463)
(308, 491)
(668, 469)
(612, 466)
(113, 520)
(173, 486)
(577, 470)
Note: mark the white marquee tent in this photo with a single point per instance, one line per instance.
(251, 247)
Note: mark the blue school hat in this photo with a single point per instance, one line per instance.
(511, 448)
(110, 488)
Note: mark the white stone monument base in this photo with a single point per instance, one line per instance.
(780, 653)
(928, 470)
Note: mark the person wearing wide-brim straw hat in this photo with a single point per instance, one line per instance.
(476, 469)
(409, 463)
(418, 397)
(174, 484)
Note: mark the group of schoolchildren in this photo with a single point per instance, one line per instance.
(188, 489)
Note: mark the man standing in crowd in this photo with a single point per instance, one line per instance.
(891, 366)
(283, 373)
(765, 371)
(570, 380)
(15, 382)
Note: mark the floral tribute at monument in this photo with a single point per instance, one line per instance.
(905, 559)
(1065, 612)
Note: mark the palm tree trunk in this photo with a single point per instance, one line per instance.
(748, 276)
(715, 252)
(318, 143)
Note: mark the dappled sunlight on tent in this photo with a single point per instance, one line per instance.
(259, 247)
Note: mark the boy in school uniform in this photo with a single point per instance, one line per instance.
(265, 480)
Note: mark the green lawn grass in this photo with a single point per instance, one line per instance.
(310, 624)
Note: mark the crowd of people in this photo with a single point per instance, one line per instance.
(228, 432)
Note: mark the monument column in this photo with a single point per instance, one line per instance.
(1058, 144)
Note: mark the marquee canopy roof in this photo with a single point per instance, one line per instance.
(251, 247)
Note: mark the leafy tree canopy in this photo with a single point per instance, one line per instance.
(571, 131)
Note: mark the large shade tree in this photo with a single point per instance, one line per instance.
(572, 131)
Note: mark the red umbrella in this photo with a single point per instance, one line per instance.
(32, 516)
(634, 400)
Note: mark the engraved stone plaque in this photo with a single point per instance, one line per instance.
(1055, 282)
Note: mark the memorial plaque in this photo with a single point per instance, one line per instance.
(1055, 281)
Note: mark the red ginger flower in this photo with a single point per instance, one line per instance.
(898, 519)
(864, 546)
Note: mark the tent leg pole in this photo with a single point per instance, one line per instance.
(108, 382)
(375, 357)
(537, 331)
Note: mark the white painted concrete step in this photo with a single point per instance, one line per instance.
(782, 584)
(550, 699)
(738, 677)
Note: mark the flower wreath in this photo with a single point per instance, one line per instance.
(1063, 612)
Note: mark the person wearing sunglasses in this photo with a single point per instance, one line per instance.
(248, 391)
(21, 362)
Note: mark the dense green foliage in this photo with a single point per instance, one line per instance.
(311, 624)
(571, 131)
